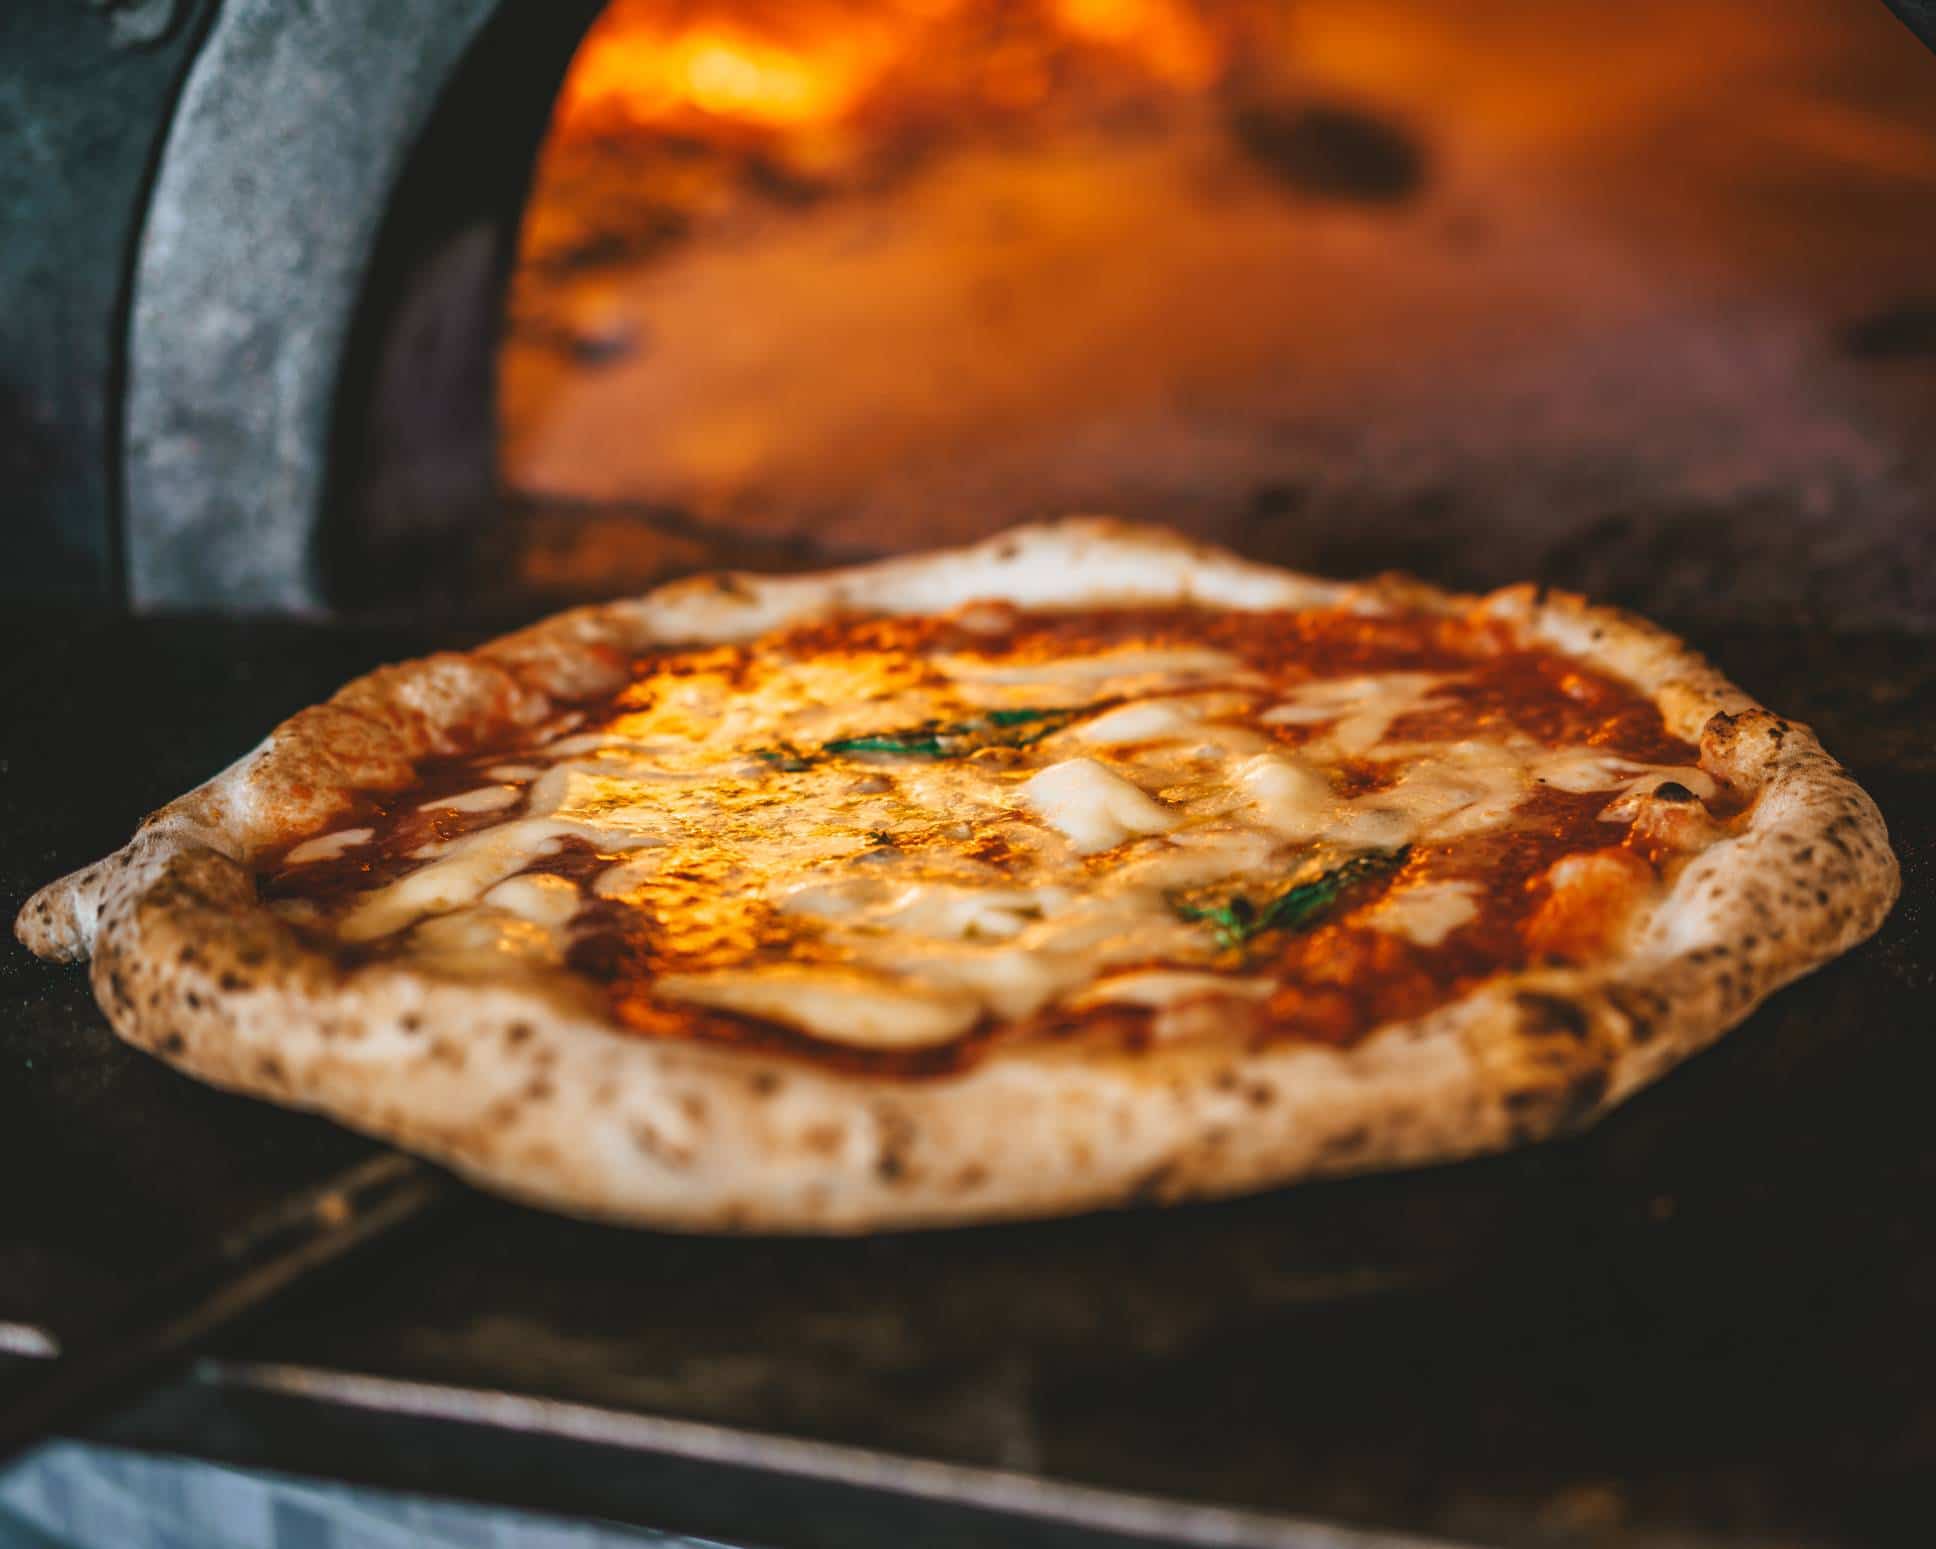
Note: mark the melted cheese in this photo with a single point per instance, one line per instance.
(837, 1005)
(1426, 914)
(326, 847)
(1587, 769)
(1360, 709)
(1162, 988)
(1149, 721)
(924, 895)
(488, 798)
(1286, 795)
(467, 868)
(1097, 808)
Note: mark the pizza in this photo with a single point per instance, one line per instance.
(1081, 867)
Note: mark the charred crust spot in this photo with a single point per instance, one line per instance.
(1260, 1094)
(1552, 1016)
(517, 1033)
(1534, 1111)
(1346, 1142)
(193, 1000)
(444, 1052)
(501, 1113)
(1640, 1012)
(1673, 790)
(269, 1068)
(764, 1083)
(1154, 1186)
(1226, 1080)
(693, 1106)
(538, 1089)
(823, 1140)
(118, 988)
(655, 1145)
(188, 955)
(170, 1043)
(897, 1140)
(973, 1176)
(232, 983)
(1583, 1095)
(410, 1023)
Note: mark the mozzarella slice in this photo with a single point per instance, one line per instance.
(326, 847)
(1161, 988)
(1153, 720)
(1426, 914)
(488, 798)
(1097, 808)
(835, 1005)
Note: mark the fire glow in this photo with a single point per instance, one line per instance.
(802, 280)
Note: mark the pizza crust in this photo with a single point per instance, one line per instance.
(536, 1096)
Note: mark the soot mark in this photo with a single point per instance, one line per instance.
(1904, 330)
(1334, 152)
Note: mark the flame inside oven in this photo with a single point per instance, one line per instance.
(1351, 283)
(860, 275)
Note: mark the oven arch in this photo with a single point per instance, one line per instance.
(272, 233)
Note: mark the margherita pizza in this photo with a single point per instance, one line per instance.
(1079, 867)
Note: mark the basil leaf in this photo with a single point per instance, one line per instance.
(1237, 920)
(1016, 728)
(784, 756)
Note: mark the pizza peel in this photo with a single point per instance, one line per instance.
(163, 1322)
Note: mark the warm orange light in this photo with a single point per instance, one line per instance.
(816, 62)
(646, 76)
(1166, 37)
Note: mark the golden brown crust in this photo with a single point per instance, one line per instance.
(538, 1098)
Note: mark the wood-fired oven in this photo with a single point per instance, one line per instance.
(496, 303)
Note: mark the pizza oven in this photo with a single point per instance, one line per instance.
(338, 332)
(486, 306)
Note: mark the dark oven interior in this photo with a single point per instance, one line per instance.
(1630, 299)
(1487, 294)
(1621, 299)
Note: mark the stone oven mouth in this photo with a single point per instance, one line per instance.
(1503, 292)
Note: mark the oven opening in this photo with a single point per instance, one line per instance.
(833, 279)
(1351, 285)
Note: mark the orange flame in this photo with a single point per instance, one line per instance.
(647, 63)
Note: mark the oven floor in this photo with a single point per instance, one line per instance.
(1704, 1323)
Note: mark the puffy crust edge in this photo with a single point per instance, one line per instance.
(539, 1100)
